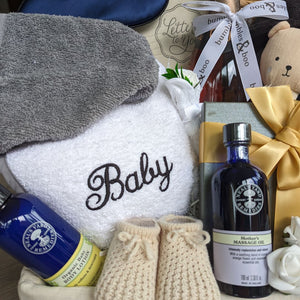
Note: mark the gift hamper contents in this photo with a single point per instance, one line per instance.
(136, 202)
(241, 233)
(43, 241)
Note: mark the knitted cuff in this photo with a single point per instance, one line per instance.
(173, 223)
(143, 227)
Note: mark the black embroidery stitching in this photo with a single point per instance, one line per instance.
(108, 178)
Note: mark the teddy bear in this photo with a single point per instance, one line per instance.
(280, 63)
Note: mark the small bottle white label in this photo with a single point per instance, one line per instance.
(240, 257)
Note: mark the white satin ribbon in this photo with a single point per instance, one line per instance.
(225, 22)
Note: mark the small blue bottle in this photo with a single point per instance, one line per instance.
(44, 242)
(241, 225)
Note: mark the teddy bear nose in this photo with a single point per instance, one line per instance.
(288, 67)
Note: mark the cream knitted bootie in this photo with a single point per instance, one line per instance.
(184, 270)
(130, 267)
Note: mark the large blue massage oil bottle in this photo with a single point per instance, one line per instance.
(241, 226)
(44, 242)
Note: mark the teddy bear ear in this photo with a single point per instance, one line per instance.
(279, 26)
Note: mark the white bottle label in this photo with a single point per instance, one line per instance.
(240, 257)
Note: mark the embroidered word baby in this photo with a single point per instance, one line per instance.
(108, 183)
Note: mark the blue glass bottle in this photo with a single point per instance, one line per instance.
(241, 225)
(44, 242)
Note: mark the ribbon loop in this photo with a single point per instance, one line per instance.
(289, 136)
(205, 23)
(234, 23)
(269, 155)
(282, 114)
(288, 172)
(276, 10)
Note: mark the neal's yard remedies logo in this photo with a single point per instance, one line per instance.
(249, 199)
(174, 33)
(39, 238)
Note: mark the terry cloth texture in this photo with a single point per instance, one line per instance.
(136, 161)
(184, 270)
(129, 271)
(60, 74)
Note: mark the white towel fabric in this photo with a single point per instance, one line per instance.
(148, 135)
(60, 74)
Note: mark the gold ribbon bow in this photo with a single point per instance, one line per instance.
(282, 153)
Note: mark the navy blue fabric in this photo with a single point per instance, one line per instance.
(128, 12)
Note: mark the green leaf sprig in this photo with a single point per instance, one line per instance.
(176, 74)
